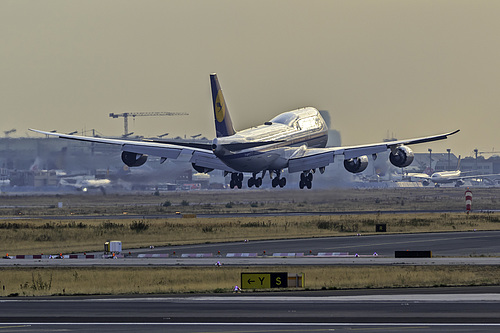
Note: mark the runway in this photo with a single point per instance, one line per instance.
(270, 261)
(449, 248)
(425, 310)
(234, 214)
(448, 244)
(410, 310)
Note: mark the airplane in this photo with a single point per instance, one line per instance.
(446, 177)
(84, 183)
(294, 140)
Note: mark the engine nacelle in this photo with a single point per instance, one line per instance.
(133, 159)
(401, 157)
(356, 165)
(201, 169)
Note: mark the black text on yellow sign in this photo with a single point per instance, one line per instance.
(264, 280)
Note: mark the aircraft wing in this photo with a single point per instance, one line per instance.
(312, 158)
(201, 155)
(477, 176)
(302, 159)
(119, 142)
(422, 176)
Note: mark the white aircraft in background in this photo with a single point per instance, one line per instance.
(446, 177)
(293, 140)
(84, 183)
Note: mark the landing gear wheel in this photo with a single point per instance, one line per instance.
(275, 182)
(236, 180)
(306, 180)
(282, 182)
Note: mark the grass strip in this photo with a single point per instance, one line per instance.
(248, 201)
(52, 237)
(165, 280)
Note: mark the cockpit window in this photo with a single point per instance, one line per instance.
(308, 123)
(285, 119)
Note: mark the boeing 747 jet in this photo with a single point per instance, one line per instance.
(294, 140)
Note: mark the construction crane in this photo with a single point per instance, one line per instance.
(142, 114)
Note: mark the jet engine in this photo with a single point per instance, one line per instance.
(401, 157)
(356, 165)
(201, 169)
(133, 159)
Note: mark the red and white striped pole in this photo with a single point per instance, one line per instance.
(468, 200)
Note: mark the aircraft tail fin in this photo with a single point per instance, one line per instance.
(223, 123)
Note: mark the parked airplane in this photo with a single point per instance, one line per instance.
(293, 140)
(446, 177)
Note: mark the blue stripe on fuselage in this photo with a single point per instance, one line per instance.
(264, 158)
(317, 142)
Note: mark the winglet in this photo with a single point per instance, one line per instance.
(223, 123)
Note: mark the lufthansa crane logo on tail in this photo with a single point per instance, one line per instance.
(220, 107)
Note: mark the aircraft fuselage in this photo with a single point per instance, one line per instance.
(445, 177)
(285, 135)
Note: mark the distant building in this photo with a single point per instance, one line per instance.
(445, 162)
(480, 166)
(32, 161)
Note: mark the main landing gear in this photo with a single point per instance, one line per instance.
(281, 182)
(277, 180)
(306, 179)
(236, 180)
(254, 181)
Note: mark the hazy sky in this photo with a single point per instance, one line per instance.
(407, 68)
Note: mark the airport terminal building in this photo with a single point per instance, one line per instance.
(40, 162)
